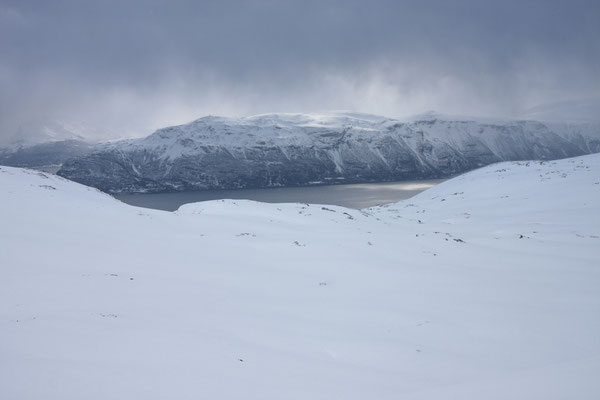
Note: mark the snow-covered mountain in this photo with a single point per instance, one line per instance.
(47, 156)
(484, 287)
(299, 149)
(45, 130)
(46, 143)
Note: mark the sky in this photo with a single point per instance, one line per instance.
(124, 68)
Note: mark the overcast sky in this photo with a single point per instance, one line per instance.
(131, 66)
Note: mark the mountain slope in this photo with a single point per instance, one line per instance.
(299, 149)
(45, 143)
(485, 286)
(48, 156)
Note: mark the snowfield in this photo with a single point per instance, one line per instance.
(486, 286)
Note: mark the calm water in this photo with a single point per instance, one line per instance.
(357, 196)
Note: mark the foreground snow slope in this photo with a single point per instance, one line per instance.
(484, 287)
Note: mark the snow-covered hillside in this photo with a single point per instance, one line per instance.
(484, 287)
(298, 149)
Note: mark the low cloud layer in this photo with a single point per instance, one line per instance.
(127, 67)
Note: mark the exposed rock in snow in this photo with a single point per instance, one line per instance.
(297, 149)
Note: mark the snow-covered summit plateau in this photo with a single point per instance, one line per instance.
(484, 287)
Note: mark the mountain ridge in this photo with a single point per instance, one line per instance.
(288, 149)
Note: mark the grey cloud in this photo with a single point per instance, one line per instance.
(137, 65)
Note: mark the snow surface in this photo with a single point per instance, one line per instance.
(486, 286)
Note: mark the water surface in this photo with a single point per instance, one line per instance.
(357, 196)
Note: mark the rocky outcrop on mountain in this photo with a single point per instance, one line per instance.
(301, 149)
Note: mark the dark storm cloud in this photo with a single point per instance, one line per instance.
(143, 64)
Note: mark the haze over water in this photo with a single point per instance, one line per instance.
(356, 196)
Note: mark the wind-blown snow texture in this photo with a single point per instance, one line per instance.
(484, 287)
(299, 149)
